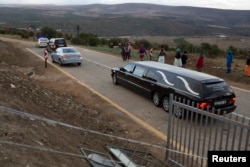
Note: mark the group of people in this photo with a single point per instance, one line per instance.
(229, 61)
(126, 50)
(180, 59)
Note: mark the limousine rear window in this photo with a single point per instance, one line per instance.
(210, 89)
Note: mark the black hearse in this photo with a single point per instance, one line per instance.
(157, 81)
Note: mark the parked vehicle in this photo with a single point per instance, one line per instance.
(55, 43)
(67, 55)
(156, 81)
(42, 42)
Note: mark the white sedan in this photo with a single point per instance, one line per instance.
(42, 42)
(67, 55)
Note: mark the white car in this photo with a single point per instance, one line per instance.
(42, 42)
(67, 55)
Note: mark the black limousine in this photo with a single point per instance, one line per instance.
(157, 81)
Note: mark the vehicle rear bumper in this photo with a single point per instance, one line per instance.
(225, 110)
(71, 61)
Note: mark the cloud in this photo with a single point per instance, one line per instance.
(229, 4)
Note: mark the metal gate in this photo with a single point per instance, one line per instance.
(191, 137)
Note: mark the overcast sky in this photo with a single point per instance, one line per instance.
(221, 4)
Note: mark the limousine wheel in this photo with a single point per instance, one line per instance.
(165, 103)
(179, 112)
(114, 79)
(156, 99)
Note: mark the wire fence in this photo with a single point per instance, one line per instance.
(93, 147)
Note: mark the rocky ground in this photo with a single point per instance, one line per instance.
(78, 118)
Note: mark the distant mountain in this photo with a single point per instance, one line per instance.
(129, 19)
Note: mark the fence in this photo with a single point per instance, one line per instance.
(191, 137)
(94, 148)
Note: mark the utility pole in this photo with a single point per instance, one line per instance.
(78, 30)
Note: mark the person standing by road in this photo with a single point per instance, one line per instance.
(177, 59)
(123, 52)
(46, 56)
(142, 52)
(184, 59)
(200, 62)
(247, 67)
(229, 61)
(151, 54)
(161, 56)
(127, 51)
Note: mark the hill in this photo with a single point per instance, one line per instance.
(129, 19)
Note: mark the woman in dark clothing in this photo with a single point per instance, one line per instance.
(162, 55)
(184, 59)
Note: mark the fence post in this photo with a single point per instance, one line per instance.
(169, 128)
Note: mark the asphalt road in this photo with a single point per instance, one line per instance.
(95, 72)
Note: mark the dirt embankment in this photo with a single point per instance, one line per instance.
(25, 85)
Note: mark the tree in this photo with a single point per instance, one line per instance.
(233, 49)
(49, 32)
(146, 44)
(93, 41)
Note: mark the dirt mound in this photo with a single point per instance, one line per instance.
(74, 112)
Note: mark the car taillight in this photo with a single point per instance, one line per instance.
(64, 57)
(232, 100)
(203, 105)
(80, 56)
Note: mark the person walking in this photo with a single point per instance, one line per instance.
(184, 59)
(229, 61)
(142, 52)
(161, 56)
(177, 59)
(200, 62)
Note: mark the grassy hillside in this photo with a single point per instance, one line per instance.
(130, 19)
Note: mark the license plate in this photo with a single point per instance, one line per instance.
(221, 102)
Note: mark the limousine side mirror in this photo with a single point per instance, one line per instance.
(123, 69)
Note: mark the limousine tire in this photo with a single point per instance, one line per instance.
(156, 99)
(179, 113)
(114, 79)
(165, 103)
